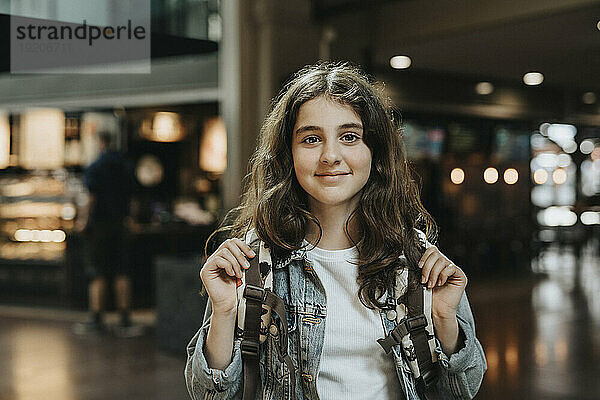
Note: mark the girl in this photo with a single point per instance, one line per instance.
(332, 198)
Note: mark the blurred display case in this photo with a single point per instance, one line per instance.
(37, 215)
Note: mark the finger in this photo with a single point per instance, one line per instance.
(228, 255)
(244, 247)
(439, 265)
(427, 265)
(447, 272)
(238, 254)
(225, 265)
(426, 254)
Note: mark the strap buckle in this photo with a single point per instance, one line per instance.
(255, 293)
(249, 347)
(415, 323)
(429, 375)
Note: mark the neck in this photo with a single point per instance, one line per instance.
(333, 222)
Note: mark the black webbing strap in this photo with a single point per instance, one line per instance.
(414, 324)
(254, 294)
(426, 382)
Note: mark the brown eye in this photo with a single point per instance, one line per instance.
(310, 140)
(350, 137)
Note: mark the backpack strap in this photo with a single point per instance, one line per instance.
(256, 303)
(426, 360)
(254, 293)
(414, 334)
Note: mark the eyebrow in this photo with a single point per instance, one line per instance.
(310, 128)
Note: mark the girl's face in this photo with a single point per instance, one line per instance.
(331, 161)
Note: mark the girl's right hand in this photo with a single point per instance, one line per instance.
(221, 272)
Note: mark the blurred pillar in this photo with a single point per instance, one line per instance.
(231, 97)
(263, 42)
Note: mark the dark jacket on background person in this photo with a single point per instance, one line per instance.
(110, 180)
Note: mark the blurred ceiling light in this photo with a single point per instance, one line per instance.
(559, 176)
(163, 127)
(588, 98)
(149, 170)
(598, 25)
(213, 146)
(542, 195)
(561, 132)
(511, 176)
(533, 78)
(570, 147)
(490, 175)
(44, 236)
(540, 176)
(69, 212)
(42, 139)
(166, 126)
(547, 160)
(538, 141)
(557, 216)
(457, 176)
(587, 146)
(4, 140)
(484, 88)
(544, 128)
(564, 160)
(590, 218)
(400, 62)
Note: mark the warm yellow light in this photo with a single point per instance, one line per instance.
(400, 62)
(166, 126)
(58, 236)
(42, 139)
(23, 235)
(457, 176)
(511, 176)
(490, 175)
(44, 236)
(533, 78)
(559, 176)
(163, 127)
(588, 98)
(213, 146)
(484, 88)
(540, 176)
(4, 141)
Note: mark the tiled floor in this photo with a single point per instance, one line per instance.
(541, 336)
(42, 360)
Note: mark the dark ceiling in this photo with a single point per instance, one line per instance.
(565, 47)
(561, 42)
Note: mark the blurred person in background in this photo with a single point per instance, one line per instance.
(109, 180)
(332, 201)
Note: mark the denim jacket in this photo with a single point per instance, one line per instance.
(297, 284)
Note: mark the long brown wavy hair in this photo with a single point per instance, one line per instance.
(389, 210)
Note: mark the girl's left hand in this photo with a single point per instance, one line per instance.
(446, 279)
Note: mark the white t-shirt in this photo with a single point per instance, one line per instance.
(353, 365)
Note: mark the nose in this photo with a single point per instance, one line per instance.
(331, 154)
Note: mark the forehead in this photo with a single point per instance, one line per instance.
(322, 111)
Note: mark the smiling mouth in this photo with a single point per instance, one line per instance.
(345, 173)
